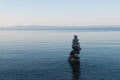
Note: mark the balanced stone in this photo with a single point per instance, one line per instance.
(75, 43)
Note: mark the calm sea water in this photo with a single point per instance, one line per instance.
(43, 55)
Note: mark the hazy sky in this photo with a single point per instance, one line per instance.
(59, 12)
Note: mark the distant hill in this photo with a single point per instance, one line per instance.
(61, 28)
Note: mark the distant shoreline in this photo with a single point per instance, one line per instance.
(62, 28)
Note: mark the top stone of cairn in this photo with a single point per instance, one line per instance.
(75, 43)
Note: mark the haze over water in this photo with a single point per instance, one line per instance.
(43, 55)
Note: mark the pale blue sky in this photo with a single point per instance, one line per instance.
(59, 12)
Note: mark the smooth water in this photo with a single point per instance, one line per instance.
(43, 55)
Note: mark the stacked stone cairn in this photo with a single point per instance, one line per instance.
(74, 55)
